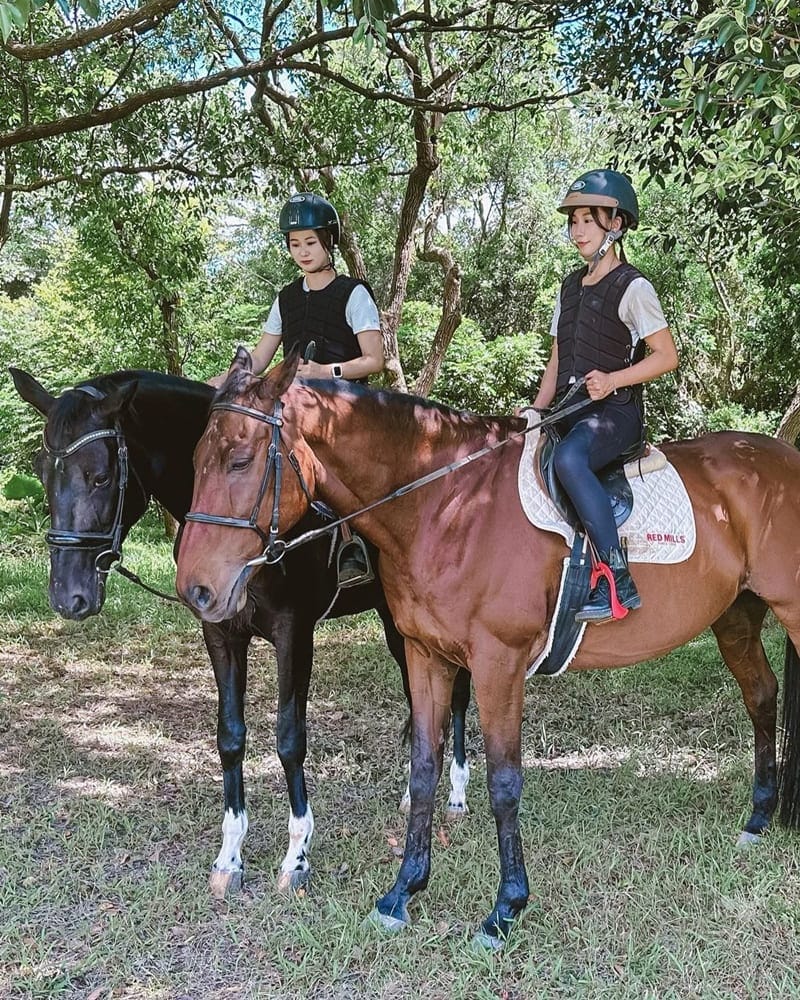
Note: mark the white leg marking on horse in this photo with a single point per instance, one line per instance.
(234, 830)
(405, 802)
(459, 779)
(295, 867)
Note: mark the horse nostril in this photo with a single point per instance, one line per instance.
(200, 596)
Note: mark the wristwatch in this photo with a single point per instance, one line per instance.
(336, 371)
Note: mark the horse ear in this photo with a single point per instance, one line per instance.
(281, 377)
(242, 361)
(32, 392)
(118, 400)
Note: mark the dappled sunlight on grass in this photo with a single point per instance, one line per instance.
(636, 785)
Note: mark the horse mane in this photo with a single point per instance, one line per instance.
(68, 417)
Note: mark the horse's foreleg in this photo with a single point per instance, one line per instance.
(500, 701)
(431, 683)
(229, 659)
(459, 768)
(294, 646)
(738, 634)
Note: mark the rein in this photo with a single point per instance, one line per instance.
(276, 548)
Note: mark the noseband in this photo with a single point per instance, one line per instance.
(273, 546)
(112, 539)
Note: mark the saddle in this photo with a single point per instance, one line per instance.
(614, 477)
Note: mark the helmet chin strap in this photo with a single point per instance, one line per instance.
(611, 238)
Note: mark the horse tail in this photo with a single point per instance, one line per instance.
(789, 771)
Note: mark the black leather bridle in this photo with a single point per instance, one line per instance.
(274, 547)
(109, 541)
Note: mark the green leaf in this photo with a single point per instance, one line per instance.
(6, 21)
(792, 71)
(90, 7)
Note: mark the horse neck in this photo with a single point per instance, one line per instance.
(161, 428)
(398, 443)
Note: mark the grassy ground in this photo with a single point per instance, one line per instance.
(636, 785)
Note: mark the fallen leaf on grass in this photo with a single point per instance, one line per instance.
(442, 837)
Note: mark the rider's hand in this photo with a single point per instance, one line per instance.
(599, 384)
(217, 381)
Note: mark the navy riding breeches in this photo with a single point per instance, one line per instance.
(591, 439)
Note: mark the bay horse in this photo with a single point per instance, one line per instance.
(109, 445)
(471, 583)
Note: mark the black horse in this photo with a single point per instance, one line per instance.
(109, 445)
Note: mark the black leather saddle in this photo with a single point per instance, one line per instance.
(612, 478)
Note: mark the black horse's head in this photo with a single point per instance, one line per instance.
(83, 466)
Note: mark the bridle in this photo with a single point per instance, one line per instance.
(273, 546)
(111, 539)
(109, 542)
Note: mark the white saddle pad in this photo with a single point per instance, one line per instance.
(661, 528)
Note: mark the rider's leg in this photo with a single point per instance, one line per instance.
(594, 440)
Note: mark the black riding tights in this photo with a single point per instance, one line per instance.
(593, 438)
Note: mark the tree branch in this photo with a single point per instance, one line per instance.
(149, 14)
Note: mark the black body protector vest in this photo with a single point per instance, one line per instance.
(590, 333)
(320, 316)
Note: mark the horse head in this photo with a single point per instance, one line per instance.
(253, 480)
(83, 466)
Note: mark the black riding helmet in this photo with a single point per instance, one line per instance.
(607, 189)
(306, 210)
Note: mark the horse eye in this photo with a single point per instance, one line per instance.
(101, 481)
(240, 462)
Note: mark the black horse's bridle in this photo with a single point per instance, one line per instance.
(109, 541)
(274, 547)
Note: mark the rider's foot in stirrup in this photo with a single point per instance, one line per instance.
(352, 564)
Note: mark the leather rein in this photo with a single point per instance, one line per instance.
(276, 548)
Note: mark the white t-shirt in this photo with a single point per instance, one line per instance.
(360, 312)
(639, 310)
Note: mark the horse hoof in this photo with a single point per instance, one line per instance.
(483, 943)
(747, 839)
(224, 884)
(456, 811)
(384, 922)
(292, 881)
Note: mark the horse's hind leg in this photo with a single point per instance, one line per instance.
(228, 653)
(459, 768)
(738, 634)
(294, 649)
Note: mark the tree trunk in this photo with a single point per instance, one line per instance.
(451, 310)
(168, 306)
(789, 428)
(425, 127)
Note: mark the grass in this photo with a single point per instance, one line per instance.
(636, 784)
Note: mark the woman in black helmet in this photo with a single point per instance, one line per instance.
(609, 329)
(333, 311)
(338, 313)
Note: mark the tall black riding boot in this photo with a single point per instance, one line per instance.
(614, 593)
